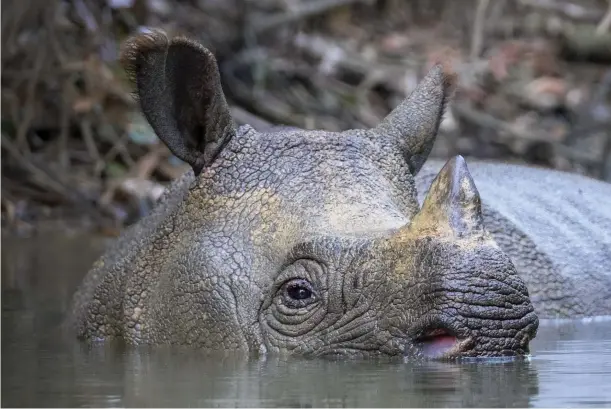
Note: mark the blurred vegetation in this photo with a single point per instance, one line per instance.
(534, 87)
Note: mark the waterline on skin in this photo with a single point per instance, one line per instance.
(585, 320)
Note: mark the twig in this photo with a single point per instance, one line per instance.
(274, 109)
(478, 28)
(325, 50)
(64, 125)
(170, 171)
(578, 155)
(488, 121)
(605, 23)
(141, 170)
(51, 181)
(119, 148)
(9, 208)
(13, 105)
(13, 21)
(570, 10)
(60, 55)
(28, 115)
(91, 146)
(147, 164)
(305, 10)
(605, 163)
(244, 117)
(42, 178)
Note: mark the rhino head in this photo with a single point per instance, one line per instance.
(302, 242)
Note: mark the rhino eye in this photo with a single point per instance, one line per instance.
(298, 293)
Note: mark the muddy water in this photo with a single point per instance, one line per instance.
(570, 364)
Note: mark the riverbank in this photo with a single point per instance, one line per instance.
(534, 86)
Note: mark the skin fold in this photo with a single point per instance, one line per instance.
(300, 242)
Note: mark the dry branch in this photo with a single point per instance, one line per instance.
(303, 11)
(478, 28)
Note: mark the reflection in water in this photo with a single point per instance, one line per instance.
(40, 367)
(314, 383)
(104, 376)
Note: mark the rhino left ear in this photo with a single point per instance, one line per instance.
(412, 126)
(179, 88)
(452, 202)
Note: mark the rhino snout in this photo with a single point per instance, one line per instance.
(451, 336)
(466, 296)
(478, 318)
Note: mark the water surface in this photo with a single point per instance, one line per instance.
(570, 363)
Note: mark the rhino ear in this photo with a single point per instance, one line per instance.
(412, 126)
(453, 202)
(179, 88)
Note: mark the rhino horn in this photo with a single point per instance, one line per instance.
(412, 126)
(453, 203)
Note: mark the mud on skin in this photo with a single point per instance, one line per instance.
(302, 242)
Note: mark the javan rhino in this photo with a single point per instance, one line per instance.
(314, 243)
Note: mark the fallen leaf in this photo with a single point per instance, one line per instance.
(545, 92)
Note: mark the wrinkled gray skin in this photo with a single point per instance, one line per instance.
(302, 242)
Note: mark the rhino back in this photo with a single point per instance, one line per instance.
(556, 227)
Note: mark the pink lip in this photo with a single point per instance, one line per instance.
(438, 346)
(439, 343)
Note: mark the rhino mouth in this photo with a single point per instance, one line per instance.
(440, 342)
